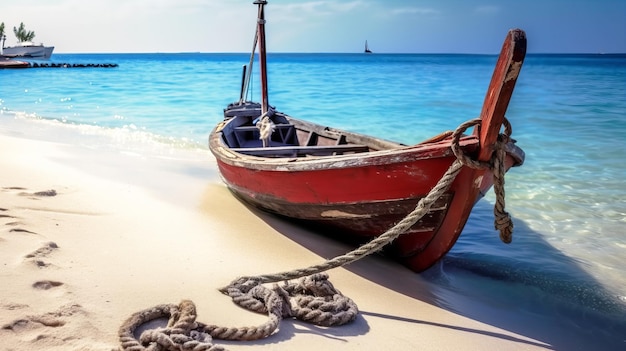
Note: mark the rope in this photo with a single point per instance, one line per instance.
(266, 127)
(312, 298)
(503, 222)
(181, 332)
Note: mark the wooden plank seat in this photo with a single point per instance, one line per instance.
(254, 128)
(248, 136)
(293, 151)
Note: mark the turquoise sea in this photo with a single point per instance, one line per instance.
(567, 261)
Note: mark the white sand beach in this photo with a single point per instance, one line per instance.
(90, 235)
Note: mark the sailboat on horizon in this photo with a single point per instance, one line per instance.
(367, 49)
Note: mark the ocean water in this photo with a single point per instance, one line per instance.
(568, 112)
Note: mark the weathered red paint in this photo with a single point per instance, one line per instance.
(371, 191)
(501, 89)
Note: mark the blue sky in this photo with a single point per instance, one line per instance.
(395, 26)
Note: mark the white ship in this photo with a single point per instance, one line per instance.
(28, 50)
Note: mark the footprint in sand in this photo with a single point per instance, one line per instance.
(37, 255)
(4, 213)
(44, 193)
(12, 221)
(13, 188)
(46, 284)
(20, 230)
(13, 306)
(38, 194)
(43, 251)
(51, 319)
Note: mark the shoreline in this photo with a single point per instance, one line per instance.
(124, 232)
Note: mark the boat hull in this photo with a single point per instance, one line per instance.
(37, 52)
(358, 197)
(8, 63)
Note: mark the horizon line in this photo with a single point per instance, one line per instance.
(329, 52)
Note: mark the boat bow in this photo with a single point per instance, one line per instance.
(500, 91)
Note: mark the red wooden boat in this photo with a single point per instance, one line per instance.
(358, 186)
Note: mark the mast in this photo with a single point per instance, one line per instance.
(262, 54)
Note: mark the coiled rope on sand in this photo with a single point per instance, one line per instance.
(312, 298)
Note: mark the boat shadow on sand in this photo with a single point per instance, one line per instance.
(528, 287)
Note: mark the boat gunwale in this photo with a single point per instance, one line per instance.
(364, 159)
(403, 153)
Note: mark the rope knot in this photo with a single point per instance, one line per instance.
(266, 127)
(502, 222)
(316, 285)
(243, 284)
(314, 299)
(181, 333)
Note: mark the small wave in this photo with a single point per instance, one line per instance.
(127, 137)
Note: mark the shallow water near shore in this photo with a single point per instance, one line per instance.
(568, 113)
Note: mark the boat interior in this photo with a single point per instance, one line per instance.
(297, 138)
(291, 137)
